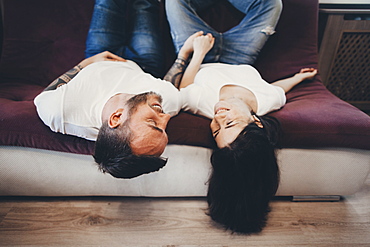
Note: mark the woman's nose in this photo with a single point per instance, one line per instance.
(220, 116)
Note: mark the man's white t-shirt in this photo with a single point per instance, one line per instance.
(76, 108)
(201, 96)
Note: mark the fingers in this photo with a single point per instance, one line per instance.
(305, 70)
(203, 44)
(307, 73)
(108, 56)
(197, 34)
(200, 34)
(212, 39)
(117, 58)
(208, 37)
(194, 35)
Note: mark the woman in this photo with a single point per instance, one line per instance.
(228, 90)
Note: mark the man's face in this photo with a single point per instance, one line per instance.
(230, 118)
(148, 124)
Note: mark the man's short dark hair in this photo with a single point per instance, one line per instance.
(113, 152)
(114, 156)
(245, 177)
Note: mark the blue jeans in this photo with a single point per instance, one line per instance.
(239, 45)
(135, 37)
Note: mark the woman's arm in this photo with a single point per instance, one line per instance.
(289, 83)
(201, 44)
(69, 75)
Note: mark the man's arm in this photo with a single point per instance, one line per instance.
(176, 72)
(64, 79)
(289, 83)
(69, 75)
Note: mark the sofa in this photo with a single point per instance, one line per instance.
(325, 146)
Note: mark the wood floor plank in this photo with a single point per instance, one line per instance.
(119, 221)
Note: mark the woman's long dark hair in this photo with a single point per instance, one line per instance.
(244, 178)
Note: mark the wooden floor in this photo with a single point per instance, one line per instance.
(111, 221)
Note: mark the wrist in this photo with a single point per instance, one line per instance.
(182, 60)
(79, 67)
(83, 64)
(184, 54)
(199, 56)
(298, 77)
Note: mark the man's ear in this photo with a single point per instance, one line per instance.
(115, 118)
(257, 121)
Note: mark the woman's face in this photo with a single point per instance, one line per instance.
(231, 117)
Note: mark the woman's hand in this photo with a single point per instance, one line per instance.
(288, 83)
(306, 73)
(203, 44)
(103, 56)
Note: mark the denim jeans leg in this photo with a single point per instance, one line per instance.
(146, 46)
(243, 43)
(184, 21)
(108, 28)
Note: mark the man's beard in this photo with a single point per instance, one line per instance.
(139, 99)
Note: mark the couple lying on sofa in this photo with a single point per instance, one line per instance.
(123, 106)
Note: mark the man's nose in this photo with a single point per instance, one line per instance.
(164, 119)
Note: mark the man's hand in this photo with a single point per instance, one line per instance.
(103, 56)
(69, 75)
(187, 49)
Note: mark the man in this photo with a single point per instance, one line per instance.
(112, 100)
